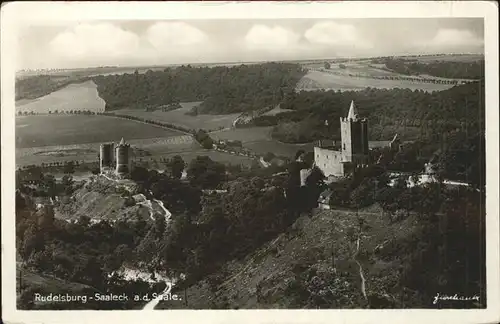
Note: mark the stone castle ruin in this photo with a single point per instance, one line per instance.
(115, 160)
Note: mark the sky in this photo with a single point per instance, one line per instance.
(147, 42)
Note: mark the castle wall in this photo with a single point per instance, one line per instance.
(329, 162)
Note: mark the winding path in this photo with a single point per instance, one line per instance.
(361, 274)
(152, 304)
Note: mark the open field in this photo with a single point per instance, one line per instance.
(245, 135)
(279, 149)
(447, 58)
(80, 96)
(316, 80)
(45, 130)
(179, 117)
(276, 110)
(259, 141)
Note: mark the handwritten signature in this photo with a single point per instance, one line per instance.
(454, 297)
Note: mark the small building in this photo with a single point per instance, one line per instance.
(324, 199)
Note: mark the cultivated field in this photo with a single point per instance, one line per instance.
(179, 117)
(448, 58)
(317, 80)
(81, 96)
(46, 130)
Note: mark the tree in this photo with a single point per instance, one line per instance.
(67, 183)
(327, 66)
(49, 184)
(268, 156)
(69, 167)
(84, 221)
(299, 154)
(313, 188)
(32, 240)
(363, 195)
(204, 172)
(139, 174)
(339, 194)
(177, 166)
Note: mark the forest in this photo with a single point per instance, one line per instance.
(442, 69)
(209, 229)
(415, 113)
(222, 89)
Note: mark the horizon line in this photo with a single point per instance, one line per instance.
(239, 62)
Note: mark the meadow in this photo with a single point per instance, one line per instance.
(245, 135)
(259, 141)
(78, 96)
(179, 117)
(276, 110)
(46, 130)
(316, 80)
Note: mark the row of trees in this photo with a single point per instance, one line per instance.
(148, 121)
(222, 89)
(57, 112)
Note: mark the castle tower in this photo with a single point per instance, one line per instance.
(123, 159)
(354, 132)
(106, 157)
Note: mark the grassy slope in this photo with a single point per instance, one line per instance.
(179, 117)
(316, 239)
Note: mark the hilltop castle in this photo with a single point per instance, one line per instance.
(353, 151)
(115, 161)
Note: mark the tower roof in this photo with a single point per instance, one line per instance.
(353, 112)
(122, 142)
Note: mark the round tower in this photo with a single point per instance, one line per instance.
(106, 157)
(122, 159)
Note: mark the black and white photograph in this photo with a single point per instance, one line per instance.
(251, 162)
